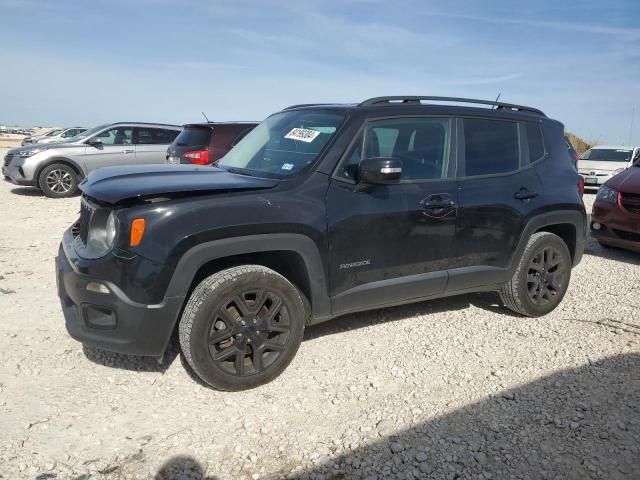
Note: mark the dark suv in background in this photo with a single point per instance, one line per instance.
(206, 143)
(322, 210)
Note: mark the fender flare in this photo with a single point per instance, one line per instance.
(194, 258)
(573, 217)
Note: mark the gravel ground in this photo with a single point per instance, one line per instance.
(454, 388)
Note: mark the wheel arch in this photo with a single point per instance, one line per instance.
(63, 160)
(569, 225)
(294, 256)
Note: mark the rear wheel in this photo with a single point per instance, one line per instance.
(542, 277)
(242, 327)
(58, 180)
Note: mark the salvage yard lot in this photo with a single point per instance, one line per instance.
(458, 387)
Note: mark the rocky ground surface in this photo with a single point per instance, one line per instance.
(454, 388)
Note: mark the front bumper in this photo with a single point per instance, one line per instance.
(618, 228)
(15, 175)
(111, 321)
(595, 181)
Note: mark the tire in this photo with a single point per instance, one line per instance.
(231, 312)
(58, 181)
(542, 277)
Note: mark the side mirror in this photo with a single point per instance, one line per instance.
(95, 142)
(379, 171)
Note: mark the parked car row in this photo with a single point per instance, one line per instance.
(56, 162)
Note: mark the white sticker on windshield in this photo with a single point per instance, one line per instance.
(302, 135)
(287, 166)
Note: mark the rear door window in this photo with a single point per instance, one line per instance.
(154, 136)
(490, 146)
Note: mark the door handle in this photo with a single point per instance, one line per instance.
(128, 151)
(435, 205)
(525, 194)
(438, 205)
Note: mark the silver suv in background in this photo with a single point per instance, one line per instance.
(62, 136)
(33, 139)
(600, 163)
(57, 168)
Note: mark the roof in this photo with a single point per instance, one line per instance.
(213, 124)
(613, 147)
(144, 123)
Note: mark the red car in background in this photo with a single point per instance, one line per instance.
(206, 143)
(615, 220)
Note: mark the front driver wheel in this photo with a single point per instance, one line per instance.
(242, 327)
(542, 276)
(58, 181)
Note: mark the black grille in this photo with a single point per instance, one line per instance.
(631, 236)
(630, 202)
(86, 211)
(7, 159)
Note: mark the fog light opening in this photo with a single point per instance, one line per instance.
(596, 226)
(97, 287)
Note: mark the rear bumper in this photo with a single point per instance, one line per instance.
(112, 321)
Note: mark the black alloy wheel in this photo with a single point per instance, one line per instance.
(547, 275)
(249, 332)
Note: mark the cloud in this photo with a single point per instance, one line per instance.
(621, 33)
(487, 80)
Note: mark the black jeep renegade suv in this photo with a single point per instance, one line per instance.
(320, 211)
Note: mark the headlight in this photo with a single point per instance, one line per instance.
(30, 153)
(110, 233)
(607, 195)
(615, 172)
(103, 230)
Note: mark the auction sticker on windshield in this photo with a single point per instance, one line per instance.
(302, 134)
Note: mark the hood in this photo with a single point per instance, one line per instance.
(114, 184)
(597, 165)
(627, 181)
(45, 146)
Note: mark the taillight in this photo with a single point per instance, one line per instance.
(581, 185)
(199, 157)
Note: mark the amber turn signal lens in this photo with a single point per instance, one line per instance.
(137, 231)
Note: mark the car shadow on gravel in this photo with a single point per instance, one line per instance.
(32, 192)
(580, 423)
(489, 301)
(594, 249)
(132, 362)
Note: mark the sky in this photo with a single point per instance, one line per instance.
(85, 63)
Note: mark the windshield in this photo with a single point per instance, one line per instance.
(53, 133)
(607, 155)
(284, 144)
(86, 133)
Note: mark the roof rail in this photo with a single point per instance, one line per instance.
(417, 100)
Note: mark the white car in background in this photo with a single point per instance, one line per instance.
(61, 136)
(600, 163)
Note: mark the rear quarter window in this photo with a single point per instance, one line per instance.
(535, 142)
